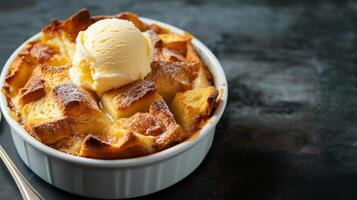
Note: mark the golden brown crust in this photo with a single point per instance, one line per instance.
(52, 131)
(66, 110)
(131, 93)
(19, 72)
(129, 99)
(38, 52)
(70, 144)
(180, 74)
(54, 75)
(41, 52)
(159, 123)
(52, 70)
(175, 42)
(82, 20)
(126, 147)
(135, 92)
(21, 69)
(192, 107)
(172, 77)
(33, 90)
(74, 100)
(173, 132)
(71, 26)
(160, 109)
(143, 123)
(79, 105)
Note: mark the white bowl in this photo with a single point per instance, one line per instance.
(118, 178)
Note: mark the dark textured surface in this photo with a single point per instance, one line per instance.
(289, 130)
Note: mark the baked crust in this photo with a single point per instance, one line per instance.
(127, 146)
(71, 26)
(19, 72)
(80, 106)
(74, 101)
(159, 123)
(54, 75)
(129, 99)
(130, 121)
(33, 90)
(51, 131)
(41, 52)
(193, 107)
(173, 132)
(175, 42)
(143, 123)
(172, 77)
(139, 135)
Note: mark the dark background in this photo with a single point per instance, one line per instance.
(289, 130)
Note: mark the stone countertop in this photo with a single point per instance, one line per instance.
(289, 130)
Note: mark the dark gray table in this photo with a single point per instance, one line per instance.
(289, 130)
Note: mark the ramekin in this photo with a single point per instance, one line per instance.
(109, 179)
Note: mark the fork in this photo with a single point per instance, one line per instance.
(26, 190)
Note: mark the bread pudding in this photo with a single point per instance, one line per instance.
(152, 113)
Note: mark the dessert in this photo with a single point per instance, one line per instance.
(110, 87)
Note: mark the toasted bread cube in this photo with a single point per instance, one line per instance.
(159, 123)
(51, 131)
(67, 110)
(70, 27)
(64, 46)
(45, 121)
(203, 80)
(46, 77)
(193, 106)
(41, 52)
(19, 73)
(54, 75)
(172, 133)
(128, 145)
(171, 77)
(71, 145)
(74, 101)
(79, 105)
(175, 42)
(33, 54)
(42, 81)
(33, 90)
(143, 123)
(130, 99)
(42, 110)
(63, 33)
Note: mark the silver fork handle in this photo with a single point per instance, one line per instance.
(27, 191)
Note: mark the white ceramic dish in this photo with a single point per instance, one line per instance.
(118, 178)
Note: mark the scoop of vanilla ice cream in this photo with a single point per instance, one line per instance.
(109, 54)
